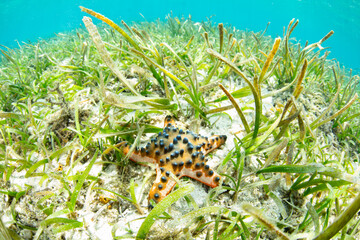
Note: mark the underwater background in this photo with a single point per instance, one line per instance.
(27, 21)
(77, 103)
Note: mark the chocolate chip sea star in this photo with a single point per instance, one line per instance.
(177, 151)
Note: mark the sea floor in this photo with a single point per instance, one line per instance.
(57, 183)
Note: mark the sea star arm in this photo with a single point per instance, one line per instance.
(211, 181)
(162, 185)
(214, 142)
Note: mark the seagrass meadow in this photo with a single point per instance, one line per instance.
(289, 168)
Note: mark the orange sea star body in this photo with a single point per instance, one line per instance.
(180, 152)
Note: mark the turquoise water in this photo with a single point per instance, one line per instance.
(30, 20)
